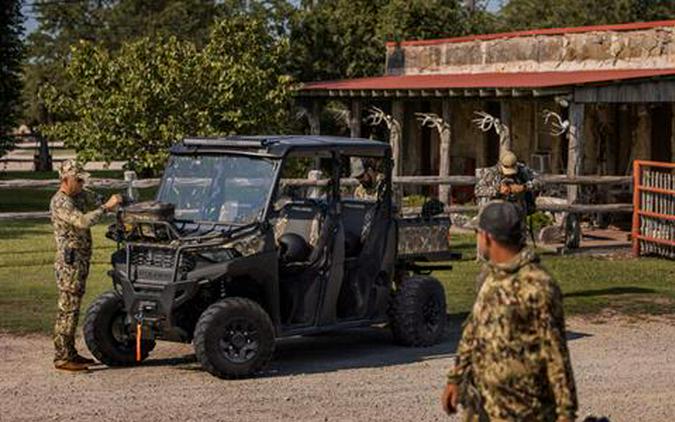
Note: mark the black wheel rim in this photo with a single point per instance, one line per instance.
(240, 341)
(432, 312)
(120, 330)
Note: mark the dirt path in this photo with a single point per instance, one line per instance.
(624, 370)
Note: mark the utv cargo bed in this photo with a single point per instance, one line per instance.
(424, 239)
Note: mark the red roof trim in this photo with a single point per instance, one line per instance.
(531, 80)
(532, 32)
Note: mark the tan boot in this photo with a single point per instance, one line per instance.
(81, 359)
(71, 366)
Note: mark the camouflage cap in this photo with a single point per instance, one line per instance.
(357, 167)
(508, 163)
(72, 168)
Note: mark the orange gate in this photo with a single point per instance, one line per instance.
(653, 208)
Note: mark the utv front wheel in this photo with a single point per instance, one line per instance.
(418, 312)
(109, 336)
(234, 338)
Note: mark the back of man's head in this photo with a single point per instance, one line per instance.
(504, 222)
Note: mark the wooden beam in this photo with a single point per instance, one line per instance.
(575, 156)
(355, 119)
(314, 118)
(92, 183)
(445, 137)
(505, 117)
(652, 91)
(486, 92)
(396, 133)
(672, 134)
(456, 180)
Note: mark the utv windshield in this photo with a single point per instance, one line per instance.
(218, 188)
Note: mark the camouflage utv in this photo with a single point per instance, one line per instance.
(233, 256)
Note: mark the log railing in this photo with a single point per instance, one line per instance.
(400, 181)
(549, 179)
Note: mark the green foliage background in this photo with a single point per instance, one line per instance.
(11, 53)
(133, 103)
(165, 68)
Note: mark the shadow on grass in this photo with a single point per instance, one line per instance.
(611, 291)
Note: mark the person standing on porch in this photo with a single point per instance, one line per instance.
(509, 180)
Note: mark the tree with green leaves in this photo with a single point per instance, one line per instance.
(133, 103)
(336, 39)
(527, 14)
(11, 28)
(112, 23)
(422, 19)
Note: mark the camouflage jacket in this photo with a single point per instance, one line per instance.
(513, 345)
(487, 186)
(71, 221)
(372, 193)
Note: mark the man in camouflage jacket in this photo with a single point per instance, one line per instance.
(508, 180)
(73, 254)
(512, 361)
(370, 181)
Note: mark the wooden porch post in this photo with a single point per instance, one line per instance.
(672, 134)
(396, 134)
(445, 143)
(505, 117)
(575, 156)
(314, 118)
(355, 119)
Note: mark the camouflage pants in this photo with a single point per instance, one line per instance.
(70, 280)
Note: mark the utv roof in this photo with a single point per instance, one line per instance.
(280, 145)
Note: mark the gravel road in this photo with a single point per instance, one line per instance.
(624, 370)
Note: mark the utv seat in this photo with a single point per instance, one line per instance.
(302, 218)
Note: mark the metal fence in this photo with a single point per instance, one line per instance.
(654, 209)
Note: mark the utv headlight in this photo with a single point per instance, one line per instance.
(219, 255)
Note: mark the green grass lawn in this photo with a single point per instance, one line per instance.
(28, 292)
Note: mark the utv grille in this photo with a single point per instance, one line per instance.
(161, 258)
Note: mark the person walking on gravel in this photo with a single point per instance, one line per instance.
(73, 254)
(512, 361)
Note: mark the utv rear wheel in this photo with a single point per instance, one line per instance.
(108, 335)
(234, 338)
(418, 312)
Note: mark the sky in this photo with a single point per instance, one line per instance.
(31, 23)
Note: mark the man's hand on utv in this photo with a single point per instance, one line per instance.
(113, 202)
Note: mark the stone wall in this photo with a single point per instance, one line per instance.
(638, 49)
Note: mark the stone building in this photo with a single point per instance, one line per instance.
(612, 87)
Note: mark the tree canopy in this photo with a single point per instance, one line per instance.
(133, 103)
(527, 14)
(10, 70)
(115, 78)
(334, 39)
